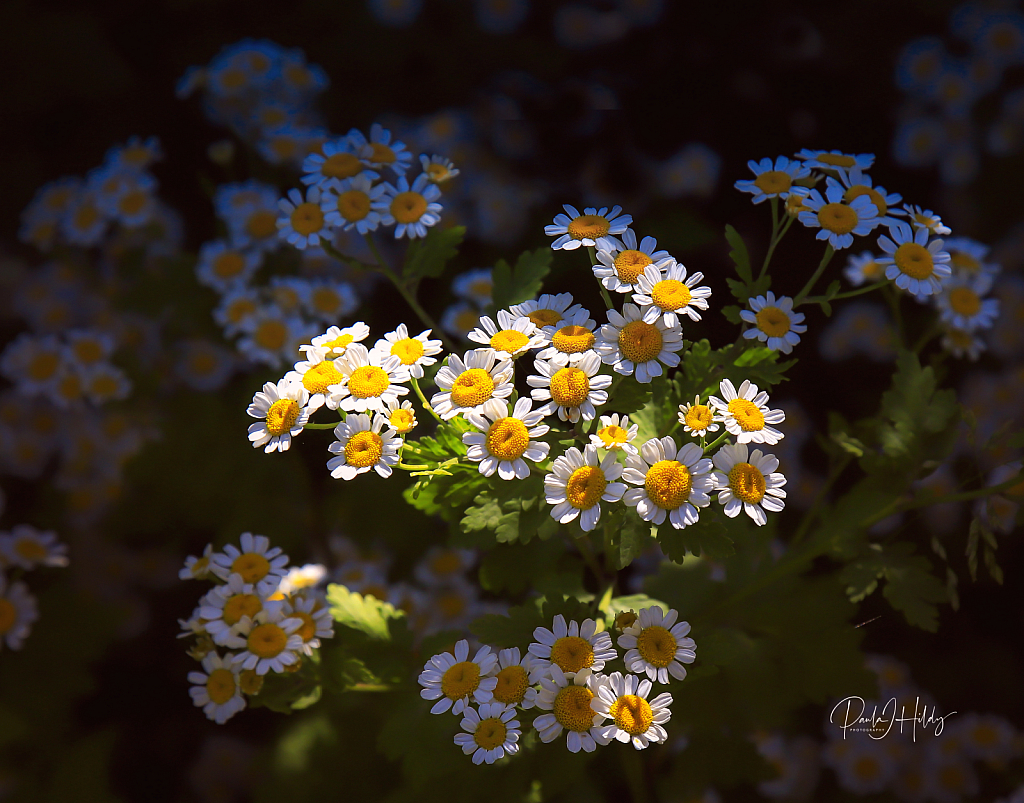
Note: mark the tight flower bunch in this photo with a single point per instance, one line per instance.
(23, 549)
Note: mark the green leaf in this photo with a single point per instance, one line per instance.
(484, 514)
(428, 256)
(739, 254)
(629, 535)
(521, 283)
(707, 536)
(366, 614)
(629, 396)
(732, 314)
(516, 629)
(910, 586)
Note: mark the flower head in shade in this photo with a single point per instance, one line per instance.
(411, 209)
(272, 641)
(747, 481)
(962, 303)
(573, 229)
(513, 674)
(455, 681)
(18, 611)
(859, 184)
(216, 689)
(774, 179)
(302, 223)
(622, 260)
(775, 323)
(490, 733)
(915, 261)
(254, 560)
(571, 647)
(568, 697)
(835, 160)
(336, 161)
(348, 203)
(634, 719)
(837, 219)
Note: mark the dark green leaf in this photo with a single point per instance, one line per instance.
(521, 283)
(739, 254)
(428, 257)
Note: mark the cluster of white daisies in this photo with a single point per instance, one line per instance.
(22, 549)
(263, 615)
(561, 674)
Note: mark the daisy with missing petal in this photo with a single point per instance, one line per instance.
(962, 306)
(505, 438)
(335, 342)
(348, 204)
(401, 416)
(285, 409)
(746, 415)
(857, 184)
(547, 310)
(638, 342)
(836, 219)
(569, 648)
(634, 719)
(571, 392)
(513, 675)
(27, 547)
(411, 209)
(921, 218)
(216, 689)
(577, 484)
(657, 645)
(568, 697)
(317, 375)
(833, 160)
(672, 293)
(455, 681)
(197, 568)
(673, 482)
(511, 337)
(490, 733)
(573, 229)
(414, 352)
(476, 383)
(621, 261)
(615, 434)
(698, 419)
(915, 264)
(568, 339)
(775, 323)
(256, 562)
(438, 168)
(17, 613)
(371, 380)
(747, 481)
(773, 180)
(303, 223)
(273, 642)
(361, 446)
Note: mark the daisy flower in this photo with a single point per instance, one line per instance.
(257, 563)
(348, 203)
(438, 168)
(921, 218)
(301, 580)
(413, 352)
(747, 481)
(638, 342)
(569, 648)
(361, 446)
(227, 610)
(773, 180)
(490, 733)
(303, 223)
(657, 645)
(672, 293)
(746, 415)
(568, 339)
(411, 209)
(857, 184)
(573, 391)
(316, 621)
(969, 257)
(335, 342)
(285, 408)
(547, 310)
(915, 264)
(328, 299)
(568, 697)
(216, 689)
(455, 681)
(336, 161)
(271, 336)
(634, 719)
(674, 482)
(513, 675)
(698, 419)
(577, 484)
(836, 219)
(27, 547)
(371, 380)
(505, 438)
(197, 568)
(962, 306)
(222, 267)
(621, 261)
(380, 150)
(400, 415)
(615, 434)
(775, 323)
(863, 268)
(17, 613)
(272, 642)
(476, 383)
(105, 382)
(963, 344)
(832, 160)
(317, 375)
(573, 229)
(510, 337)
(440, 565)
(476, 286)
(237, 311)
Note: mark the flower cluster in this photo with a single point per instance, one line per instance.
(22, 549)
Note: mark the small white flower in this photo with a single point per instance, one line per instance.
(836, 219)
(775, 323)
(256, 562)
(316, 621)
(546, 310)
(197, 568)
(834, 160)
(490, 733)
(224, 267)
(455, 681)
(571, 392)
(361, 446)
(272, 641)
(335, 342)
(511, 337)
(773, 179)
(634, 720)
(318, 374)
(639, 342)
(672, 292)
(657, 645)
(863, 268)
(411, 209)
(513, 675)
(915, 264)
(578, 483)
(413, 352)
(858, 183)
(285, 409)
(226, 611)
(569, 339)
(476, 383)
(303, 223)
(216, 689)
(26, 547)
(747, 481)
(400, 415)
(620, 262)
(962, 306)
(746, 415)
(505, 438)
(348, 203)
(573, 230)
(568, 697)
(673, 482)
(698, 419)
(571, 647)
(921, 218)
(371, 380)
(615, 434)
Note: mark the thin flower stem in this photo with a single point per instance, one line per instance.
(893, 300)
(819, 500)
(604, 293)
(848, 294)
(321, 426)
(962, 496)
(716, 442)
(776, 236)
(587, 551)
(825, 259)
(423, 400)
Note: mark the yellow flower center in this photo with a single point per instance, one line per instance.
(368, 381)
(512, 684)
(613, 436)
(585, 487)
(747, 415)
(795, 205)
(340, 342)
(446, 562)
(220, 685)
(964, 262)
(438, 172)
(200, 567)
(657, 646)
(460, 680)
(252, 566)
(874, 195)
(261, 224)
(473, 387)
(964, 301)
(699, 417)
(668, 484)
(772, 321)
(240, 309)
(271, 335)
(773, 181)
(640, 341)
(408, 350)
(29, 549)
(267, 640)
(837, 218)
(43, 366)
(510, 340)
(241, 605)
(671, 294)
(325, 299)
(836, 160)
(588, 227)
(490, 733)
(626, 619)
(282, 415)
(630, 264)
(408, 207)
(308, 627)
(321, 376)
(85, 216)
(341, 166)
(544, 317)
(507, 439)
(573, 339)
(632, 714)
(133, 202)
(307, 219)
(364, 449)
(572, 653)
(381, 154)
(353, 205)
(249, 682)
(871, 270)
(402, 420)
(914, 260)
(228, 265)
(572, 710)
(570, 387)
(8, 615)
(451, 604)
(747, 483)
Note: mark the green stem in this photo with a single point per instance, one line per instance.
(962, 496)
(418, 467)
(776, 236)
(321, 426)
(848, 294)
(716, 442)
(893, 300)
(423, 400)
(825, 259)
(933, 331)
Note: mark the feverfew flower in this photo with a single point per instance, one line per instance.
(915, 264)
(438, 168)
(774, 180)
(638, 342)
(547, 310)
(833, 160)
(413, 352)
(410, 209)
(753, 486)
(568, 697)
(962, 306)
(455, 681)
(967, 256)
(17, 613)
(621, 261)
(476, 286)
(316, 620)
(224, 267)
(571, 392)
(746, 415)
(226, 611)
(634, 720)
(963, 344)
(216, 690)
(302, 223)
(775, 323)
(568, 339)
(473, 384)
(615, 433)
(337, 162)
(361, 446)
(674, 482)
(348, 203)
(513, 675)
(273, 641)
(573, 230)
(657, 645)
(197, 568)
(577, 484)
(27, 547)
(505, 438)
(921, 218)
(858, 183)
(569, 648)
(257, 563)
(400, 415)
(380, 150)
(863, 268)
(490, 733)
(371, 380)
(317, 375)
(837, 219)
(335, 342)
(672, 292)
(698, 419)
(285, 408)
(511, 337)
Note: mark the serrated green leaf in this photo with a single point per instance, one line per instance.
(521, 283)
(429, 255)
(708, 537)
(484, 514)
(739, 254)
(910, 587)
(629, 536)
(732, 314)
(366, 614)
(629, 396)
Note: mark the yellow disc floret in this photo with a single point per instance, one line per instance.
(364, 449)
(271, 335)
(857, 190)
(381, 154)
(353, 205)
(408, 207)
(228, 265)
(267, 640)
(368, 381)
(510, 340)
(341, 165)
(308, 627)
(570, 387)
(220, 685)
(572, 710)
(402, 420)
(573, 339)
(838, 218)
(699, 417)
(772, 321)
(836, 160)
(914, 260)
(632, 714)
(964, 301)
(668, 484)
(544, 317)
(588, 227)
(408, 350)
(630, 264)
(490, 733)
(472, 387)
(8, 615)
(307, 219)
(340, 342)
(772, 182)
(747, 483)
(282, 415)
(460, 680)
(671, 294)
(747, 415)
(585, 487)
(512, 684)
(657, 646)
(261, 224)
(239, 605)
(572, 653)
(507, 439)
(613, 436)
(640, 341)
(30, 550)
(251, 566)
(321, 376)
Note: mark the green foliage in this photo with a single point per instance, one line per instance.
(521, 283)
(628, 536)
(539, 564)
(366, 614)
(514, 511)
(290, 691)
(981, 535)
(707, 537)
(429, 256)
(739, 254)
(516, 629)
(628, 396)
